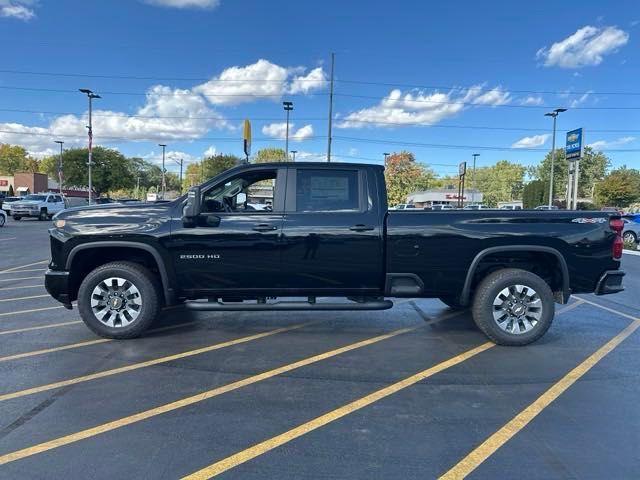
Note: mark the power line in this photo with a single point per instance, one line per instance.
(464, 147)
(270, 80)
(144, 94)
(473, 104)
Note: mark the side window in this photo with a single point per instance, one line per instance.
(327, 190)
(51, 199)
(251, 192)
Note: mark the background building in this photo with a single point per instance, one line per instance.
(443, 196)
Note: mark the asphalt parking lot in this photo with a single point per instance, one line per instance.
(413, 392)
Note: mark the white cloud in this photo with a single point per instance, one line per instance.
(531, 142)
(19, 9)
(314, 80)
(279, 130)
(531, 100)
(586, 47)
(580, 100)
(419, 107)
(601, 144)
(259, 80)
(184, 3)
(38, 141)
(209, 152)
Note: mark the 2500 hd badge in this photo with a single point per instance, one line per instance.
(200, 256)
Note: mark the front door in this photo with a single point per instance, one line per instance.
(332, 234)
(236, 243)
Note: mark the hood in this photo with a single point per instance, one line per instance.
(25, 203)
(116, 218)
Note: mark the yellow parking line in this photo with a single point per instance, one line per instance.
(148, 363)
(21, 287)
(25, 271)
(30, 311)
(469, 463)
(39, 327)
(184, 402)
(17, 279)
(286, 437)
(23, 266)
(23, 298)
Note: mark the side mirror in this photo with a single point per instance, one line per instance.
(191, 209)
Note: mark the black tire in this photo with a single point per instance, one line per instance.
(141, 278)
(43, 215)
(17, 218)
(452, 302)
(490, 289)
(2, 220)
(630, 237)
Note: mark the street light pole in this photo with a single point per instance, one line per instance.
(164, 184)
(473, 192)
(180, 162)
(60, 142)
(386, 156)
(294, 154)
(90, 95)
(288, 106)
(553, 114)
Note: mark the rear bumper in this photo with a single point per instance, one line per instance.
(610, 282)
(57, 284)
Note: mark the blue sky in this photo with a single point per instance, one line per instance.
(404, 72)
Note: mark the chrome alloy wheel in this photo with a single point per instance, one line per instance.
(116, 302)
(517, 309)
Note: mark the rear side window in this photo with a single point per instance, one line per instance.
(327, 190)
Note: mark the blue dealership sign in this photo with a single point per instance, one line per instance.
(573, 150)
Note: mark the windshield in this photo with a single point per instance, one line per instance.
(39, 198)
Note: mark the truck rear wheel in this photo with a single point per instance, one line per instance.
(119, 300)
(513, 307)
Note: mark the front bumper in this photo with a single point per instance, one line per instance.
(610, 282)
(24, 212)
(57, 284)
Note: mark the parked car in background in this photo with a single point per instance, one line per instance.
(442, 207)
(510, 207)
(40, 205)
(631, 232)
(3, 218)
(476, 207)
(612, 210)
(6, 204)
(403, 206)
(546, 207)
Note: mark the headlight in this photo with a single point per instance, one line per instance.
(59, 223)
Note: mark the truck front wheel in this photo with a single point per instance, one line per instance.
(119, 300)
(43, 215)
(513, 307)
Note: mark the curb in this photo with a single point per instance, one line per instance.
(631, 252)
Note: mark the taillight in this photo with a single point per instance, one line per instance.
(617, 225)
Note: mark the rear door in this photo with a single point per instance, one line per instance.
(332, 232)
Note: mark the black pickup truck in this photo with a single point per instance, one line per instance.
(311, 230)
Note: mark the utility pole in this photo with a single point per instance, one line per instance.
(164, 183)
(138, 187)
(90, 95)
(60, 165)
(333, 61)
(386, 156)
(294, 154)
(553, 114)
(288, 106)
(180, 162)
(473, 192)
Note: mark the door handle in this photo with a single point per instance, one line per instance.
(361, 228)
(264, 227)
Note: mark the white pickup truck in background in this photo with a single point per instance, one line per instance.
(40, 205)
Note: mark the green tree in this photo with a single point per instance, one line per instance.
(593, 167)
(501, 182)
(14, 158)
(111, 170)
(271, 154)
(620, 188)
(535, 193)
(218, 163)
(404, 175)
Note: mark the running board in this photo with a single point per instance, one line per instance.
(237, 306)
